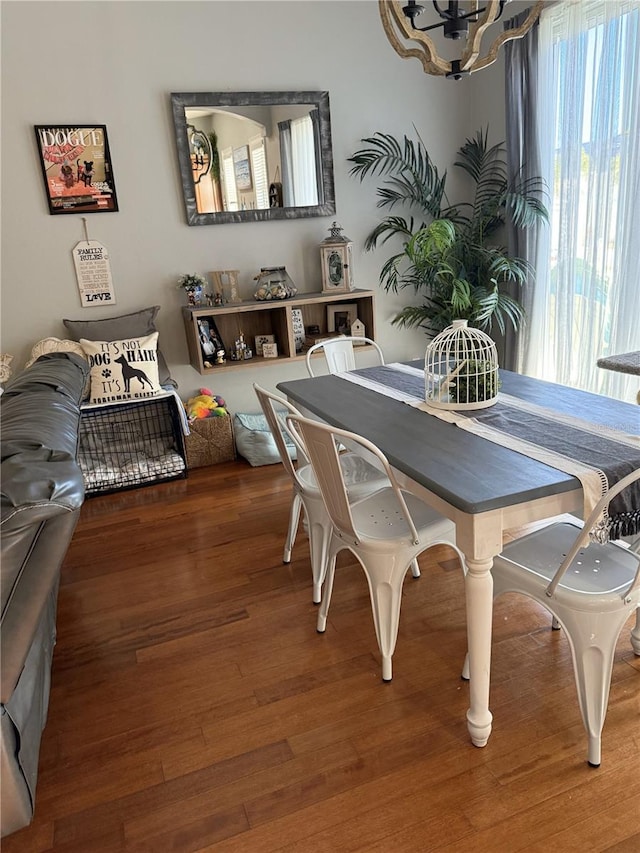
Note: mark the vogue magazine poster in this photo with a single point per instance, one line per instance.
(77, 170)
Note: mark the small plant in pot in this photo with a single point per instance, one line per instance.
(194, 286)
(476, 382)
(450, 255)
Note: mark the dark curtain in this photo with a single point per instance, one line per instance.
(286, 160)
(523, 159)
(314, 115)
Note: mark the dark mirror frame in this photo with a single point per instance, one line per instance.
(181, 101)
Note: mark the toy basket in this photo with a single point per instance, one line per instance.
(461, 369)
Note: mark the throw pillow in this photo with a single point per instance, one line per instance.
(255, 442)
(123, 370)
(47, 345)
(134, 325)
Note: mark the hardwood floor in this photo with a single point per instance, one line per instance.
(195, 708)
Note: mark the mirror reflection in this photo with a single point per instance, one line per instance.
(254, 156)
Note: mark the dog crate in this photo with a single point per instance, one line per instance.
(131, 444)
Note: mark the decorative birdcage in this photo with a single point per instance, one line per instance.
(461, 369)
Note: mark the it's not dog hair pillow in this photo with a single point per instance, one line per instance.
(123, 370)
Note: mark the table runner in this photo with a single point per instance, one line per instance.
(597, 454)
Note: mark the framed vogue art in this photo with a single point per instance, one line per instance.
(340, 318)
(76, 167)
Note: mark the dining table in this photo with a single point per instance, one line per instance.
(486, 480)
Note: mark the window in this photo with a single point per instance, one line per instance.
(588, 305)
(299, 164)
(304, 162)
(229, 181)
(259, 169)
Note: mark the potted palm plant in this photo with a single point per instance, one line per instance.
(450, 254)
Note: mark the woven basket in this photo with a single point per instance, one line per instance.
(210, 442)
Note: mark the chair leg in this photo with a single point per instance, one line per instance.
(321, 624)
(635, 635)
(385, 577)
(294, 519)
(465, 668)
(319, 540)
(415, 568)
(593, 643)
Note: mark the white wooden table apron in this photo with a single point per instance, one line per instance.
(481, 486)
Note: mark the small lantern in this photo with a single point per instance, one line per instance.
(336, 260)
(461, 369)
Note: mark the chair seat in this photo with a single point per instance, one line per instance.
(590, 590)
(386, 529)
(540, 553)
(360, 476)
(378, 517)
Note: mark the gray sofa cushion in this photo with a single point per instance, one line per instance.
(41, 493)
(39, 476)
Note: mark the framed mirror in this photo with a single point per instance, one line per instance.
(254, 156)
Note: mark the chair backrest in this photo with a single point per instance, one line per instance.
(270, 403)
(583, 537)
(339, 354)
(321, 442)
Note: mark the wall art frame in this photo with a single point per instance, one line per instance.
(75, 160)
(242, 168)
(340, 317)
(182, 106)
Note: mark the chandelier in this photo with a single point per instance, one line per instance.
(459, 21)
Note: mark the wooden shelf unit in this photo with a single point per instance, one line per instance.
(254, 318)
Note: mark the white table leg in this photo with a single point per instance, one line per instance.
(479, 598)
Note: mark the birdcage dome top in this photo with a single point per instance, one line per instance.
(461, 369)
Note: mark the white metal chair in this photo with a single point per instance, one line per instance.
(590, 589)
(385, 530)
(339, 354)
(362, 478)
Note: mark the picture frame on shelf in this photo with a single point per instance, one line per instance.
(261, 340)
(76, 168)
(270, 350)
(340, 318)
(211, 343)
(297, 324)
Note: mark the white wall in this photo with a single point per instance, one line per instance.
(115, 63)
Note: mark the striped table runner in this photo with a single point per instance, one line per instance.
(597, 454)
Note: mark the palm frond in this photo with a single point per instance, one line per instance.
(415, 180)
(390, 227)
(448, 255)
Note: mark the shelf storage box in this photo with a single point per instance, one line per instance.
(210, 442)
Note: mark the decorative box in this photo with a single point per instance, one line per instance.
(210, 442)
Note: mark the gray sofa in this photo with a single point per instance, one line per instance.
(42, 492)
